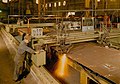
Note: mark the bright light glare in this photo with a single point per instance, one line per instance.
(70, 13)
(36, 1)
(59, 3)
(98, 0)
(50, 5)
(0, 11)
(55, 4)
(64, 3)
(62, 66)
(4, 1)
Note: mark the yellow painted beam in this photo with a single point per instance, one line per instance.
(87, 3)
(83, 77)
(87, 6)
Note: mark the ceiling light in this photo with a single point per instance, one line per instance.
(98, 0)
(55, 4)
(4, 1)
(36, 1)
(0, 11)
(50, 5)
(59, 3)
(64, 3)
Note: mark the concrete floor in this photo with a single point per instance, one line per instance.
(6, 64)
(7, 54)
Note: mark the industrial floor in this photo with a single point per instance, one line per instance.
(7, 67)
(6, 64)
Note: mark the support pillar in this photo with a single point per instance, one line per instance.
(87, 6)
(44, 9)
(39, 8)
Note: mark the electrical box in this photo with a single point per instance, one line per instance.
(40, 58)
(87, 24)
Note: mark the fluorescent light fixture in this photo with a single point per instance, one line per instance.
(98, 0)
(64, 3)
(36, 1)
(55, 4)
(50, 5)
(4, 1)
(59, 3)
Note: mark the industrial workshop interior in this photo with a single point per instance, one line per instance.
(78, 41)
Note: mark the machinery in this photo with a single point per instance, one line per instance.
(87, 24)
(40, 58)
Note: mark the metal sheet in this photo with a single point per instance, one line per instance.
(105, 61)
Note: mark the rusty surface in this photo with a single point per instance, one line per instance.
(105, 61)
